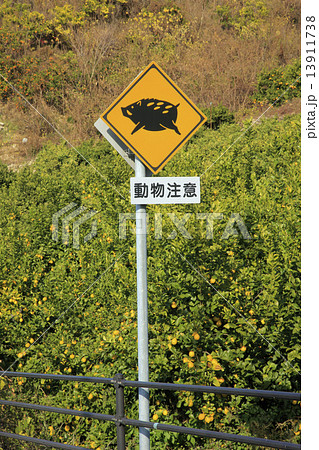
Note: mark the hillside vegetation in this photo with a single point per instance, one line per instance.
(71, 59)
(224, 309)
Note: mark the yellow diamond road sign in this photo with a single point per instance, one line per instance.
(153, 117)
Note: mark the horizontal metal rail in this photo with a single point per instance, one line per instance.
(164, 386)
(213, 434)
(51, 376)
(70, 412)
(120, 420)
(38, 441)
(215, 390)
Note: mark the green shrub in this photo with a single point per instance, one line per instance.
(5, 176)
(245, 18)
(279, 85)
(218, 115)
(159, 32)
(210, 301)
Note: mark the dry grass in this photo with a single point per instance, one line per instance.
(215, 65)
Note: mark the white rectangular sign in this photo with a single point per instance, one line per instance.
(165, 190)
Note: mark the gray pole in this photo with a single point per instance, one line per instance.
(142, 307)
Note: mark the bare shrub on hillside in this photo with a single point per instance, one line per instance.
(30, 128)
(92, 46)
(83, 112)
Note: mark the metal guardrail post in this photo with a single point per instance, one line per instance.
(120, 411)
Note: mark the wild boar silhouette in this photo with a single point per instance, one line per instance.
(152, 115)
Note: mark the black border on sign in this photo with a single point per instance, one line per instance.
(202, 119)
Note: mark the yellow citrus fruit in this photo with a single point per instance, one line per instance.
(191, 354)
(216, 365)
(209, 418)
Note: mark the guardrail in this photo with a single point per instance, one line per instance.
(120, 421)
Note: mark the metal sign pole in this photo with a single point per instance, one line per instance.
(150, 117)
(142, 311)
